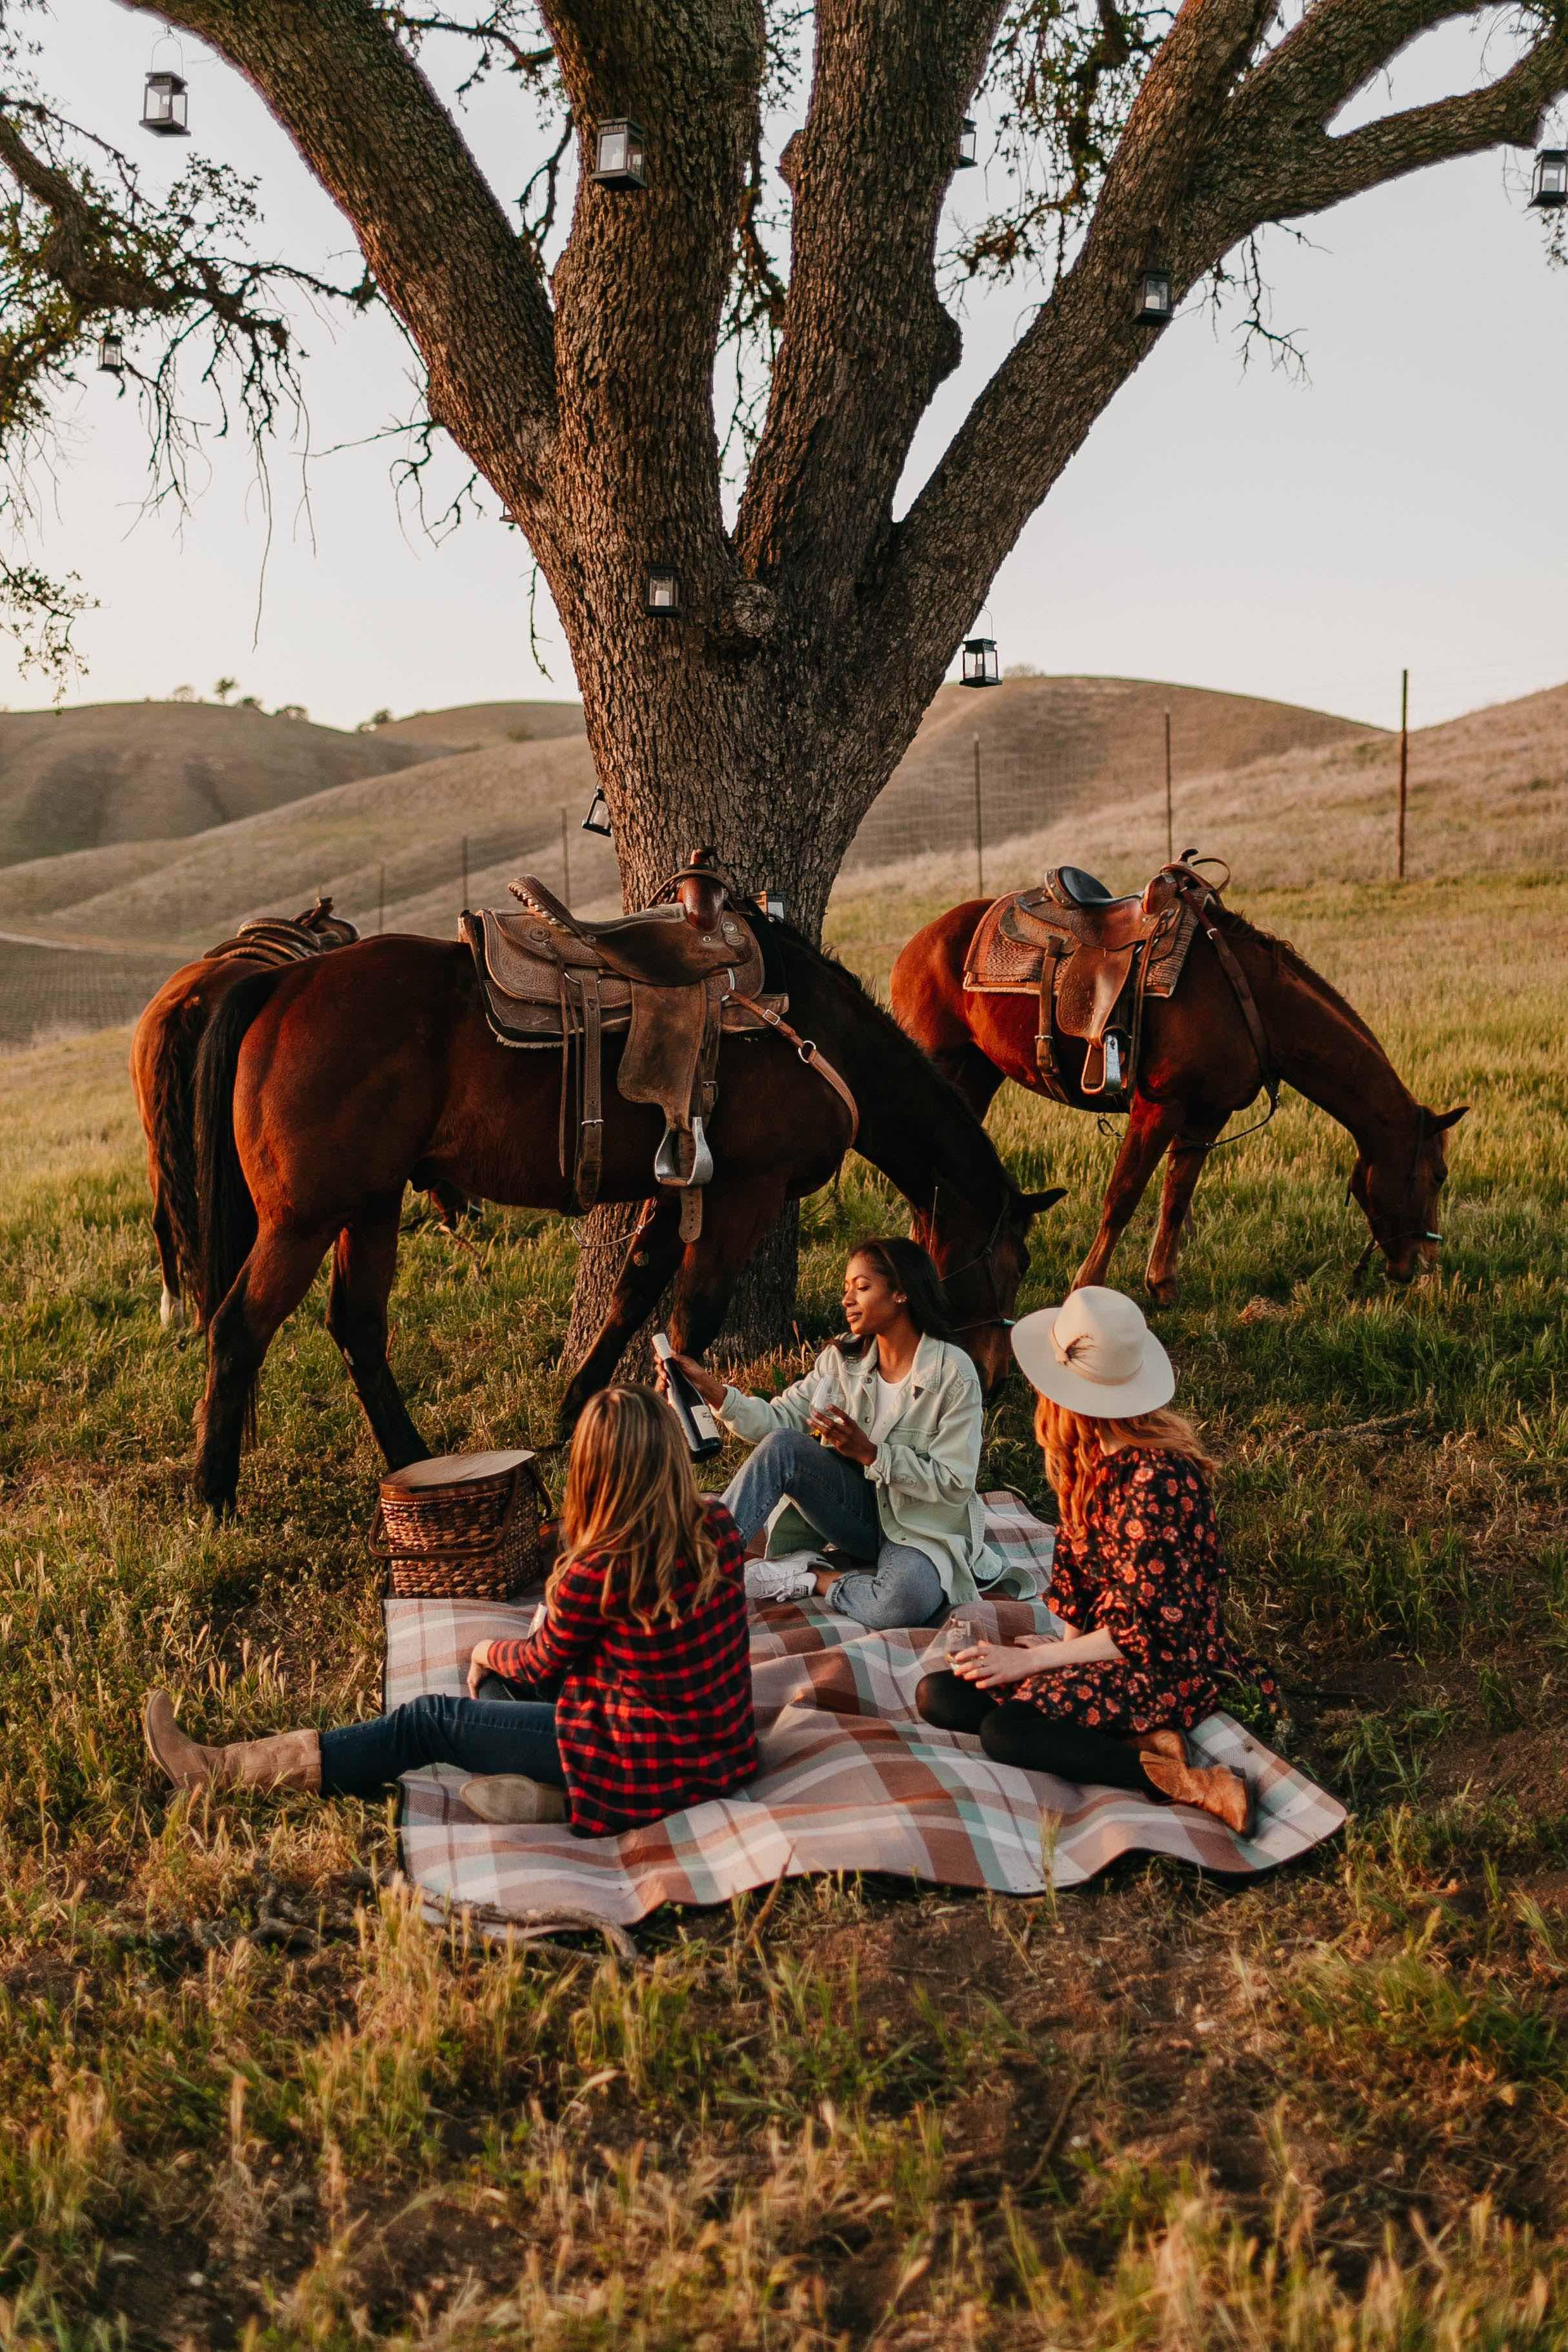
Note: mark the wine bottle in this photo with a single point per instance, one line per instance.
(702, 1431)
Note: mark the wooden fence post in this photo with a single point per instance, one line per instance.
(1404, 772)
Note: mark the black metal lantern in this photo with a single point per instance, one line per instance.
(164, 106)
(598, 817)
(770, 903)
(1153, 306)
(618, 155)
(110, 353)
(1549, 189)
(967, 158)
(661, 593)
(980, 666)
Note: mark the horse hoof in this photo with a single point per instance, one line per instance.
(1163, 1294)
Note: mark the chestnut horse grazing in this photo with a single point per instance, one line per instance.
(324, 1090)
(1198, 1065)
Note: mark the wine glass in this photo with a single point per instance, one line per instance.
(962, 1630)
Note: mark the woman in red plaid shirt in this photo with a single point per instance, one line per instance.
(633, 1697)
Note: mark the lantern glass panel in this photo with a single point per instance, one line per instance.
(980, 664)
(1551, 188)
(663, 591)
(598, 817)
(618, 157)
(1153, 304)
(164, 106)
(110, 354)
(966, 143)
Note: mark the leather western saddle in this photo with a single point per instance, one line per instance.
(1093, 960)
(273, 939)
(674, 977)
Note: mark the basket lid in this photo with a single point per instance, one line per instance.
(456, 1469)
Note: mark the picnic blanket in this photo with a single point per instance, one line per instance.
(852, 1779)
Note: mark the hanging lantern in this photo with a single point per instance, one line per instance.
(618, 159)
(1153, 306)
(110, 353)
(967, 158)
(661, 596)
(598, 817)
(980, 666)
(770, 903)
(164, 106)
(1549, 189)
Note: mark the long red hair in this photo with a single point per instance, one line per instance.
(1076, 1446)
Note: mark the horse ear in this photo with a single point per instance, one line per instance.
(1038, 1202)
(1439, 1122)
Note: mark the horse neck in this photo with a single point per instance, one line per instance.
(1327, 1055)
(914, 1127)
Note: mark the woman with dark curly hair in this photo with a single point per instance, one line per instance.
(1137, 1575)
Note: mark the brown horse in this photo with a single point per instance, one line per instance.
(324, 1090)
(1198, 1065)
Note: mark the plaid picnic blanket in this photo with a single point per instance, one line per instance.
(852, 1779)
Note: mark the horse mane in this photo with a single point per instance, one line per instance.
(965, 1125)
(1287, 955)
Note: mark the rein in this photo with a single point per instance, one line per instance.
(982, 1258)
(1415, 1234)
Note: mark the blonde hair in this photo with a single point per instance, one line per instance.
(631, 1496)
(1076, 1447)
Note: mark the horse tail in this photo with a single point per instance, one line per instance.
(168, 1106)
(228, 1213)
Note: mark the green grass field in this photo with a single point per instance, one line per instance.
(248, 2098)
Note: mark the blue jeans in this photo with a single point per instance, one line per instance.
(840, 1502)
(481, 1736)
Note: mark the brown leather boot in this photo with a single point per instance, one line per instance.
(1212, 1787)
(509, 1797)
(1166, 1741)
(288, 1759)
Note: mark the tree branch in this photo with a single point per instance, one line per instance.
(470, 292)
(865, 339)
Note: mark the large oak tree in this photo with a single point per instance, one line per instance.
(578, 361)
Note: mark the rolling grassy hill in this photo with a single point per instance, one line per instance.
(152, 771)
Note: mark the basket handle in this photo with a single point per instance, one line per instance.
(476, 1544)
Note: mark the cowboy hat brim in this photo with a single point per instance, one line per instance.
(1152, 1384)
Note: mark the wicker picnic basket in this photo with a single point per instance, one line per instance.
(464, 1526)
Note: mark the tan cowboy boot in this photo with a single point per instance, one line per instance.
(1167, 1741)
(288, 1759)
(1212, 1787)
(511, 1797)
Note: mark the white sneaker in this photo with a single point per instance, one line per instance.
(779, 1579)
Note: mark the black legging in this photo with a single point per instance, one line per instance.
(1012, 1733)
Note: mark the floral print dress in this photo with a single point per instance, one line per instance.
(1148, 1570)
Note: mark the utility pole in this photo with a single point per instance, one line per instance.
(1170, 829)
(1403, 771)
(979, 832)
(565, 862)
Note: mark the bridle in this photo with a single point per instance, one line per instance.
(984, 1258)
(1395, 1240)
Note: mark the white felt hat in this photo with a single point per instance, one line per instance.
(1095, 1354)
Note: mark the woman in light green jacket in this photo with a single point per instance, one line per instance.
(875, 1451)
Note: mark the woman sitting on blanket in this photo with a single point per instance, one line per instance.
(1137, 1577)
(633, 1697)
(877, 1449)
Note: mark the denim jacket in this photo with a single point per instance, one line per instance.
(925, 1466)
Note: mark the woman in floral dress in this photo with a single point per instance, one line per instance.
(1137, 1578)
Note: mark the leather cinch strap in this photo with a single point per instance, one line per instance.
(806, 1047)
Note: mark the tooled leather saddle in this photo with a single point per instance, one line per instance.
(674, 978)
(1093, 961)
(273, 939)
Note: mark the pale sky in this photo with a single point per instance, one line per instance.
(1222, 527)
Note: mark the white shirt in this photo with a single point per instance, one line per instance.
(888, 1406)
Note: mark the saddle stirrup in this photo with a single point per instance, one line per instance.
(675, 1164)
